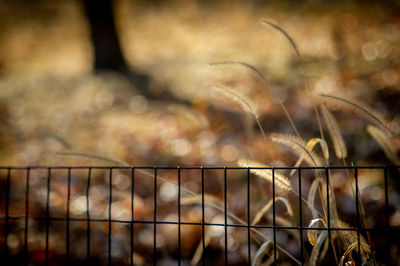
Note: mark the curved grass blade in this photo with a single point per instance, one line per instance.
(190, 114)
(310, 146)
(317, 247)
(311, 197)
(268, 206)
(364, 110)
(208, 235)
(218, 204)
(231, 215)
(313, 234)
(55, 137)
(347, 252)
(256, 261)
(93, 156)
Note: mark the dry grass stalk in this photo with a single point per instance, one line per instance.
(120, 163)
(265, 80)
(299, 146)
(334, 132)
(246, 105)
(259, 254)
(138, 259)
(364, 110)
(384, 142)
(55, 137)
(320, 185)
(190, 114)
(92, 156)
(218, 204)
(251, 67)
(199, 250)
(268, 206)
(293, 44)
(317, 248)
(280, 180)
(212, 201)
(314, 235)
(239, 98)
(198, 199)
(194, 198)
(288, 37)
(244, 102)
(208, 235)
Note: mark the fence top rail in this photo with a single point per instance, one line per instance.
(200, 167)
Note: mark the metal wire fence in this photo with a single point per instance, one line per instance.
(198, 215)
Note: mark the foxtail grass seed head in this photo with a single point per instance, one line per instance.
(277, 98)
(351, 236)
(385, 143)
(299, 146)
(239, 98)
(281, 181)
(334, 133)
(366, 111)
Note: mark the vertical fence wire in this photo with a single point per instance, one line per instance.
(29, 229)
(225, 218)
(88, 214)
(248, 217)
(300, 198)
(155, 218)
(179, 217)
(110, 180)
(357, 215)
(132, 216)
(67, 247)
(274, 212)
(47, 216)
(202, 217)
(26, 255)
(7, 213)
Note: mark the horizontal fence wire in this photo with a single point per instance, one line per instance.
(152, 215)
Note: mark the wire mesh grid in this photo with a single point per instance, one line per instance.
(196, 215)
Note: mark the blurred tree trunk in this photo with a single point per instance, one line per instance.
(108, 54)
(107, 49)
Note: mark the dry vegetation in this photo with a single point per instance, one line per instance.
(313, 85)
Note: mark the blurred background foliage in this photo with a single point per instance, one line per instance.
(144, 95)
(160, 107)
